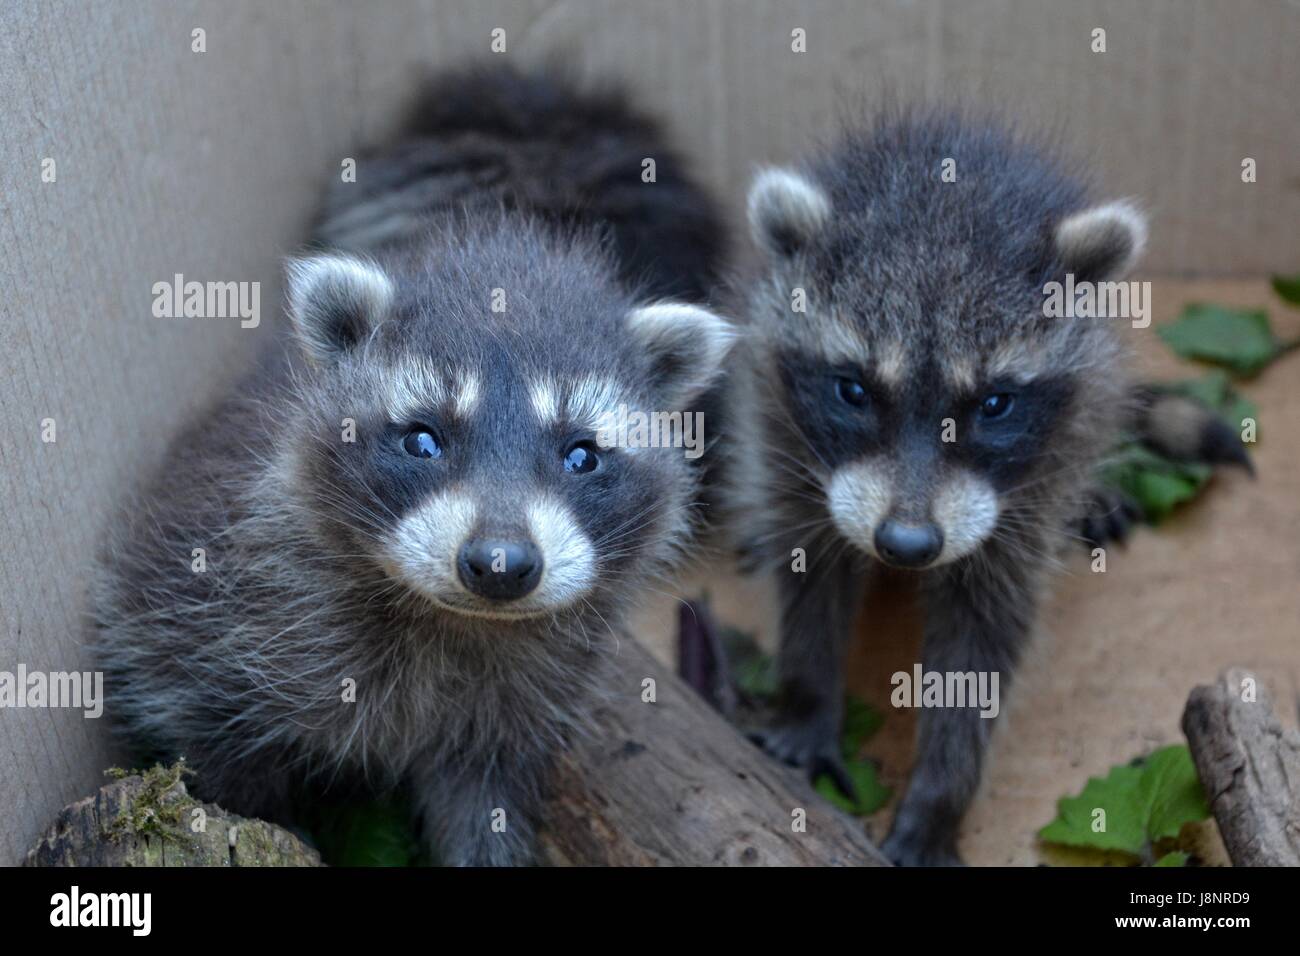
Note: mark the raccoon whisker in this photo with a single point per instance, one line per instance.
(1020, 544)
(346, 508)
(787, 479)
(624, 532)
(619, 531)
(1030, 524)
(794, 459)
(643, 586)
(821, 521)
(1068, 469)
(331, 448)
(613, 635)
(775, 402)
(813, 477)
(342, 499)
(800, 493)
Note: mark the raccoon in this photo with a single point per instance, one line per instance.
(396, 556)
(921, 412)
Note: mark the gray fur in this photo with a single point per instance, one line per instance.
(930, 294)
(242, 668)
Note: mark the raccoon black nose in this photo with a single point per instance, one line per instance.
(908, 546)
(499, 570)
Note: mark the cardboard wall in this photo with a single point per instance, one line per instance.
(208, 164)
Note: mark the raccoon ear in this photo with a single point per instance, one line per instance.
(786, 210)
(686, 344)
(1103, 242)
(335, 302)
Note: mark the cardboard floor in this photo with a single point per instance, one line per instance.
(1218, 584)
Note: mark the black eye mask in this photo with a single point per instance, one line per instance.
(835, 410)
(1002, 445)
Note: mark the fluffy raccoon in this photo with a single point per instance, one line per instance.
(922, 412)
(415, 555)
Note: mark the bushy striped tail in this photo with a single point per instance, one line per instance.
(491, 137)
(1184, 429)
(1175, 426)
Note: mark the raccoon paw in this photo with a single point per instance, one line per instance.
(904, 850)
(810, 744)
(1109, 516)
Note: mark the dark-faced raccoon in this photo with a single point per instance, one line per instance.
(904, 399)
(397, 555)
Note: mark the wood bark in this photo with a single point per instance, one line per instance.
(124, 824)
(1250, 768)
(670, 782)
(667, 782)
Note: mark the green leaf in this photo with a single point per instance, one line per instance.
(1125, 821)
(1288, 288)
(871, 793)
(756, 676)
(1176, 858)
(1239, 340)
(752, 671)
(1161, 491)
(861, 721)
(1144, 803)
(377, 833)
(1155, 482)
(1171, 792)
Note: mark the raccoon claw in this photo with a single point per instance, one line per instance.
(1110, 517)
(906, 851)
(1220, 445)
(808, 746)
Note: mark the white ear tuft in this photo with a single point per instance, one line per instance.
(1103, 242)
(786, 210)
(687, 345)
(335, 301)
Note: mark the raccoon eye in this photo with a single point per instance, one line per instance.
(581, 459)
(996, 405)
(851, 392)
(421, 444)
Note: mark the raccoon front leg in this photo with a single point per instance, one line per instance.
(482, 811)
(818, 608)
(978, 619)
(1108, 515)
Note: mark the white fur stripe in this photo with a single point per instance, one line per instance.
(584, 402)
(859, 498)
(546, 402)
(568, 554)
(589, 400)
(467, 394)
(421, 551)
(966, 511)
(415, 385)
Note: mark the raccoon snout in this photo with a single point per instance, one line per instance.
(908, 546)
(499, 570)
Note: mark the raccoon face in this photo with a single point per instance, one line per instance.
(921, 389)
(473, 478)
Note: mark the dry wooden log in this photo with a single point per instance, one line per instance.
(671, 782)
(151, 820)
(660, 783)
(1250, 768)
